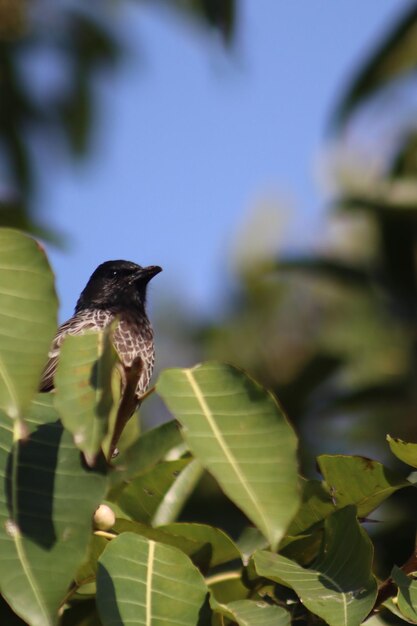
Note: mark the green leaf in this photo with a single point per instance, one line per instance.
(7, 617)
(316, 505)
(177, 495)
(213, 540)
(188, 546)
(141, 498)
(340, 587)
(406, 452)
(46, 506)
(395, 56)
(358, 480)
(147, 451)
(88, 570)
(249, 541)
(205, 545)
(250, 613)
(143, 582)
(228, 586)
(28, 308)
(407, 594)
(241, 436)
(83, 384)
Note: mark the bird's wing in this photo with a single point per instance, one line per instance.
(76, 325)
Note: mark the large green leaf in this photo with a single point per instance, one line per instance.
(406, 452)
(28, 307)
(340, 587)
(250, 613)
(147, 583)
(407, 594)
(358, 480)
(240, 434)
(84, 389)
(46, 505)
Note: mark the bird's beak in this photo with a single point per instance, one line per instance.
(146, 273)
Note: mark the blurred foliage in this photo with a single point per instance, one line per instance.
(333, 332)
(70, 43)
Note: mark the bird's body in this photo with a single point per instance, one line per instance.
(116, 291)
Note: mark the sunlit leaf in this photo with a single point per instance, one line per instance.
(83, 384)
(143, 582)
(240, 434)
(340, 587)
(28, 307)
(406, 452)
(46, 509)
(358, 480)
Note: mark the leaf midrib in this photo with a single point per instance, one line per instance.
(226, 450)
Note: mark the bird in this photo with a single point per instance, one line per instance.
(115, 292)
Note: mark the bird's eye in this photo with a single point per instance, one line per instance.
(114, 273)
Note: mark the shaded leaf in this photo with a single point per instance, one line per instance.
(249, 541)
(358, 480)
(253, 613)
(218, 14)
(350, 275)
(395, 56)
(340, 587)
(88, 570)
(188, 546)
(406, 452)
(143, 582)
(177, 495)
(221, 548)
(407, 594)
(81, 613)
(316, 505)
(46, 508)
(141, 498)
(28, 308)
(147, 451)
(205, 545)
(240, 434)
(227, 586)
(83, 389)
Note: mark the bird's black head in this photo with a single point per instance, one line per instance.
(117, 285)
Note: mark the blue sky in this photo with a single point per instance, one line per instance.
(191, 137)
